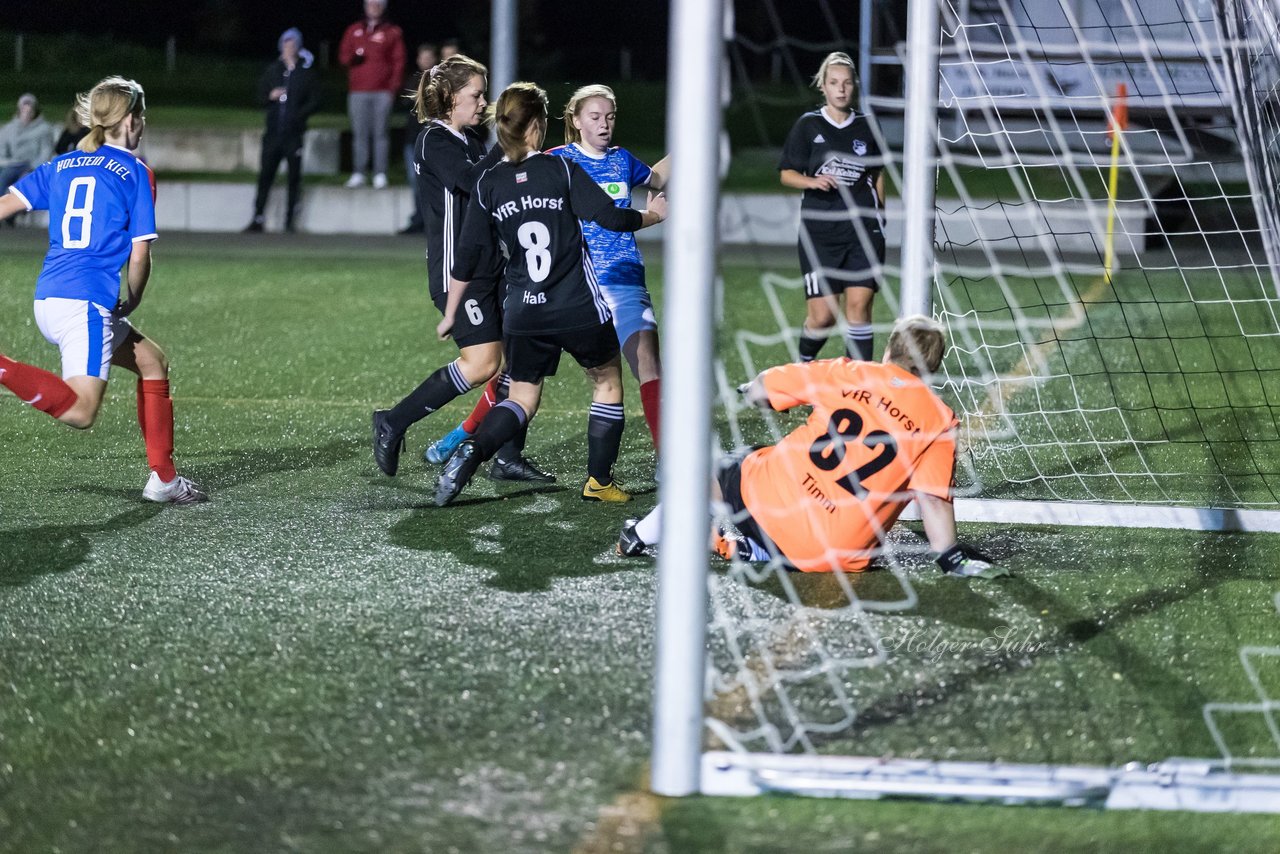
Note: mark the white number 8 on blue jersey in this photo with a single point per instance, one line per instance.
(82, 212)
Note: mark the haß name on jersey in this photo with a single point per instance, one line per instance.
(526, 203)
(530, 298)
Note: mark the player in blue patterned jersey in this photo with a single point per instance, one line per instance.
(101, 203)
(589, 119)
(833, 154)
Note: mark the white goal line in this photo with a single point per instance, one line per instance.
(1197, 785)
(1110, 515)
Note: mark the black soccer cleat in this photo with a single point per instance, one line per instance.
(520, 469)
(387, 444)
(629, 542)
(457, 472)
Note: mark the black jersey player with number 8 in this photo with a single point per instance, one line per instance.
(532, 204)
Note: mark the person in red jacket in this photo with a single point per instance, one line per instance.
(372, 49)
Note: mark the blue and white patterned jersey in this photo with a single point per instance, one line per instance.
(99, 205)
(615, 254)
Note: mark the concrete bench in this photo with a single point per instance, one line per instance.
(233, 150)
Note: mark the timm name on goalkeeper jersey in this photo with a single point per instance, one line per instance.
(828, 492)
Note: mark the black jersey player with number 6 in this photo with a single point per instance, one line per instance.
(532, 204)
(450, 155)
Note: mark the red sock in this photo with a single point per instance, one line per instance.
(483, 405)
(43, 390)
(155, 416)
(651, 400)
(142, 419)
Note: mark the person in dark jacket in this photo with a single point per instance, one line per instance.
(72, 133)
(290, 90)
(426, 60)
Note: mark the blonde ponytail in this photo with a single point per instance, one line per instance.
(105, 106)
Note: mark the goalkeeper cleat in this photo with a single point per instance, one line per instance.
(629, 542)
(967, 562)
(441, 449)
(610, 493)
(457, 473)
(519, 469)
(387, 444)
(177, 491)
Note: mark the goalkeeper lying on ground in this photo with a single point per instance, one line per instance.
(824, 497)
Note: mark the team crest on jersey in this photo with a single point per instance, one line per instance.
(521, 177)
(819, 139)
(859, 147)
(615, 189)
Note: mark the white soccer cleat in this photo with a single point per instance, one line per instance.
(177, 491)
(356, 180)
(380, 181)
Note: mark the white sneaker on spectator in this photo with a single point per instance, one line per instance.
(177, 491)
(380, 181)
(356, 180)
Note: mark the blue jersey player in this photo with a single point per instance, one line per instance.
(101, 204)
(589, 119)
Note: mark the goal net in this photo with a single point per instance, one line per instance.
(1108, 279)
(1105, 251)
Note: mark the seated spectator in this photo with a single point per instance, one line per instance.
(72, 133)
(25, 142)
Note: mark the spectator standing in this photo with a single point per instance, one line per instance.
(290, 91)
(26, 141)
(372, 49)
(426, 58)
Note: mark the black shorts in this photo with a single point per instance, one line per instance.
(531, 358)
(834, 257)
(729, 477)
(479, 318)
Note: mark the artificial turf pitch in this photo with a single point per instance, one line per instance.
(320, 660)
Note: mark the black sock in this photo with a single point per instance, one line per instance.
(514, 448)
(858, 341)
(810, 344)
(604, 436)
(503, 421)
(436, 390)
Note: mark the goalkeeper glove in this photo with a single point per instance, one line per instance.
(967, 562)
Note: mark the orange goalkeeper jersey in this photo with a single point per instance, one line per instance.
(827, 493)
